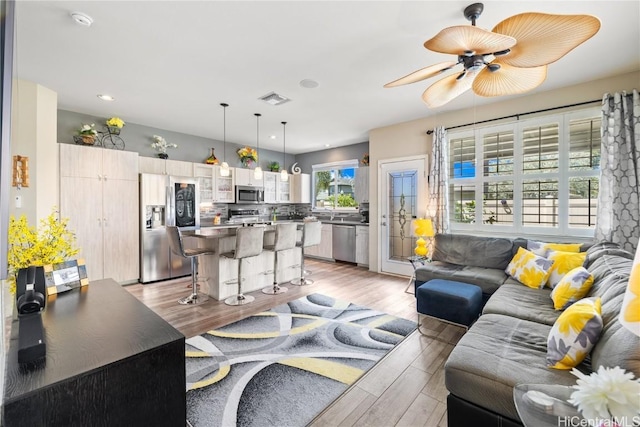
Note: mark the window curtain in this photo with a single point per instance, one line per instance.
(438, 203)
(618, 214)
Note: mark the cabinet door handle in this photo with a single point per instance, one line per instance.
(99, 222)
(104, 221)
(104, 177)
(99, 177)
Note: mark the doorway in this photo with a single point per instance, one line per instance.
(403, 198)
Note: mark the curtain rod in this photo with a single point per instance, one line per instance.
(429, 132)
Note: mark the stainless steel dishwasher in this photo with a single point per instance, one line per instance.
(344, 243)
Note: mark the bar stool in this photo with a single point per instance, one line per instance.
(177, 247)
(285, 238)
(311, 235)
(249, 242)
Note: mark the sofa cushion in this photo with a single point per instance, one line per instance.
(529, 269)
(488, 279)
(515, 300)
(541, 248)
(563, 262)
(605, 248)
(462, 249)
(572, 287)
(574, 334)
(497, 353)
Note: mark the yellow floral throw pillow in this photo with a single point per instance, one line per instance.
(574, 334)
(541, 248)
(529, 269)
(572, 287)
(563, 262)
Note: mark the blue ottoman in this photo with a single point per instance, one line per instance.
(455, 302)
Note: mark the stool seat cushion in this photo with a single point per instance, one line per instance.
(455, 302)
(196, 252)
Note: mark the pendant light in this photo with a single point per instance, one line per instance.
(224, 168)
(284, 176)
(257, 172)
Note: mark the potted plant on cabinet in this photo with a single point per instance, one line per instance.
(86, 135)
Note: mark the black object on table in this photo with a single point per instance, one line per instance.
(110, 361)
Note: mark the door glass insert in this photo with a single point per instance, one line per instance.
(402, 209)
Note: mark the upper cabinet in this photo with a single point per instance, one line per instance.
(212, 185)
(300, 188)
(96, 162)
(271, 187)
(362, 184)
(166, 167)
(246, 177)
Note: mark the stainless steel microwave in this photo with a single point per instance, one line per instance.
(248, 194)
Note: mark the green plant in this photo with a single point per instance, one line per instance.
(51, 243)
(344, 201)
(274, 166)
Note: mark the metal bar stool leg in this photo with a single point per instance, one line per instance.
(276, 289)
(240, 298)
(195, 297)
(302, 280)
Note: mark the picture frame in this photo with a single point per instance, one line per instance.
(65, 276)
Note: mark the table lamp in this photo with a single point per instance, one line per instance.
(630, 313)
(421, 228)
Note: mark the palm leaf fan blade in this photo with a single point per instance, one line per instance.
(465, 38)
(544, 38)
(508, 80)
(446, 89)
(422, 74)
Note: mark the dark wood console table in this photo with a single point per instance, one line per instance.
(111, 361)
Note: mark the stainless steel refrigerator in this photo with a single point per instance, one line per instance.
(165, 200)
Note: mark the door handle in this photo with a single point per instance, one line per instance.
(383, 223)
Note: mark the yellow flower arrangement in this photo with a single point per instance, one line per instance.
(247, 155)
(116, 122)
(52, 243)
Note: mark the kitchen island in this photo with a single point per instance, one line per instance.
(221, 273)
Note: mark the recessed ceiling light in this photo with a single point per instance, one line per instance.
(272, 137)
(105, 97)
(327, 145)
(82, 18)
(309, 84)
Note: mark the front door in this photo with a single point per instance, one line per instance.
(403, 198)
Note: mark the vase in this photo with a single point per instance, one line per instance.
(246, 162)
(212, 160)
(163, 155)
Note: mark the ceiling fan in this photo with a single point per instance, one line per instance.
(510, 59)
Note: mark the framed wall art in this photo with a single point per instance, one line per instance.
(65, 276)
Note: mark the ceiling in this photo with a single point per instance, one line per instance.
(169, 64)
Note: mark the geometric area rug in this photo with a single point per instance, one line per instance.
(282, 367)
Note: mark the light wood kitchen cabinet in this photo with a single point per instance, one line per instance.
(204, 174)
(300, 188)
(224, 186)
(325, 248)
(246, 177)
(271, 183)
(99, 196)
(362, 184)
(362, 245)
(276, 190)
(164, 167)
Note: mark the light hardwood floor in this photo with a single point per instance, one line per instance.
(406, 388)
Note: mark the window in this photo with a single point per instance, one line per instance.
(334, 185)
(535, 176)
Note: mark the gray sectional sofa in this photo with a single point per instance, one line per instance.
(507, 345)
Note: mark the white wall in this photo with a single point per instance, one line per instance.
(33, 134)
(411, 136)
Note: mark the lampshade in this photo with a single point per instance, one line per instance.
(630, 313)
(224, 167)
(284, 176)
(257, 172)
(421, 228)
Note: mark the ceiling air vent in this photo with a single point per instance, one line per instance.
(274, 99)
